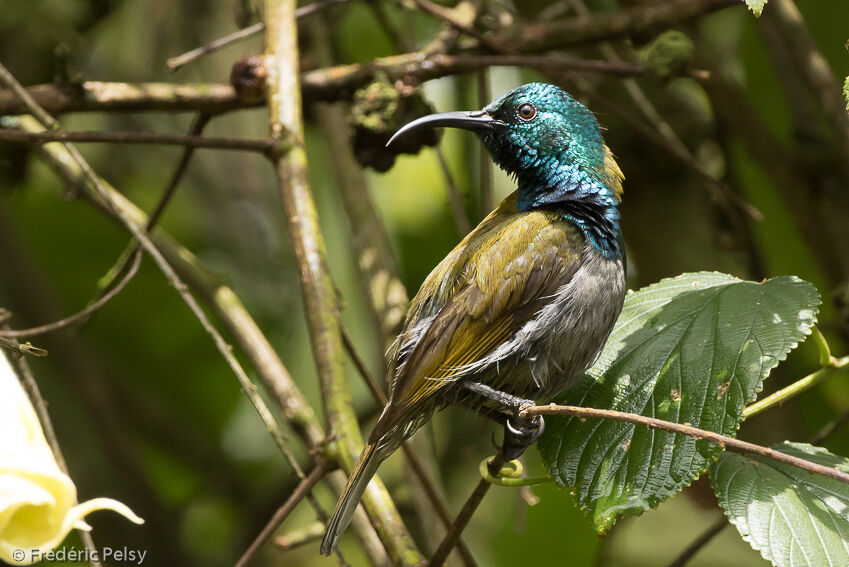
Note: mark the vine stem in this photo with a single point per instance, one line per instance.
(723, 441)
(834, 366)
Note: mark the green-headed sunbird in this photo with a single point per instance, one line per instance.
(524, 304)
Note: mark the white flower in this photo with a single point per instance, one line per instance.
(37, 500)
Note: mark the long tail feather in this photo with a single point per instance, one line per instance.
(357, 483)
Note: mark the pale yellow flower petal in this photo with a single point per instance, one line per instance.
(37, 500)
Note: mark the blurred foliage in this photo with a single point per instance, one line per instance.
(148, 413)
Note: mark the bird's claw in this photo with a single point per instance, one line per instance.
(522, 435)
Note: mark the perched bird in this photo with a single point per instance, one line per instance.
(523, 305)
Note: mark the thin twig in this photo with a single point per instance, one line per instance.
(447, 15)
(304, 488)
(302, 536)
(708, 535)
(40, 406)
(195, 129)
(690, 551)
(487, 189)
(21, 348)
(80, 315)
(830, 428)
(455, 198)
(723, 441)
(152, 138)
(174, 63)
(462, 519)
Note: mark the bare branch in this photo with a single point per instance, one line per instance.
(175, 63)
(304, 488)
(723, 441)
(80, 315)
(148, 138)
(318, 291)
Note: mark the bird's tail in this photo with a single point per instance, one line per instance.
(357, 483)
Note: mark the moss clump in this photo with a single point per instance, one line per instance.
(378, 111)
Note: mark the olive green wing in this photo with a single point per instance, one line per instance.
(509, 273)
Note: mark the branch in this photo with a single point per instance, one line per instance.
(465, 515)
(340, 82)
(319, 293)
(81, 315)
(723, 441)
(304, 488)
(175, 63)
(638, 22)
(20, 349)
(123, 97)
(154, 138)
(811, 66)
(705, 538)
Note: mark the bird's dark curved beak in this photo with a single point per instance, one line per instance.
(467, 120)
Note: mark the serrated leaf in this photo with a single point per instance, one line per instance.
(693, 349)
(794, 518)
(756, 6)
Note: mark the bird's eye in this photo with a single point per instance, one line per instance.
(527, 111)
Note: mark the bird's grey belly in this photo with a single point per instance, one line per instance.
(549, 353)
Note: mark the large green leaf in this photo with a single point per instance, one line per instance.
(794, 518)
(693, 349)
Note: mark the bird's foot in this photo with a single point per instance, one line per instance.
(519, 432)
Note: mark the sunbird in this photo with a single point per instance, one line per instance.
(524, 304)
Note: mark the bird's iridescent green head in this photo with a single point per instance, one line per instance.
(552, 145)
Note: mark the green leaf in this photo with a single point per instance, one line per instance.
(794, 518)
(693, 349)
(756, 6)
(846, 92)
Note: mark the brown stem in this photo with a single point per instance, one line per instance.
(455, 198)
(19, 349)
(723, 441)
(174, 63)
(690, 551)
(80, 315)
(462, 520)
(302, 536)
(154, 138)
(304, 488)
(640, 21)
(811, 66)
